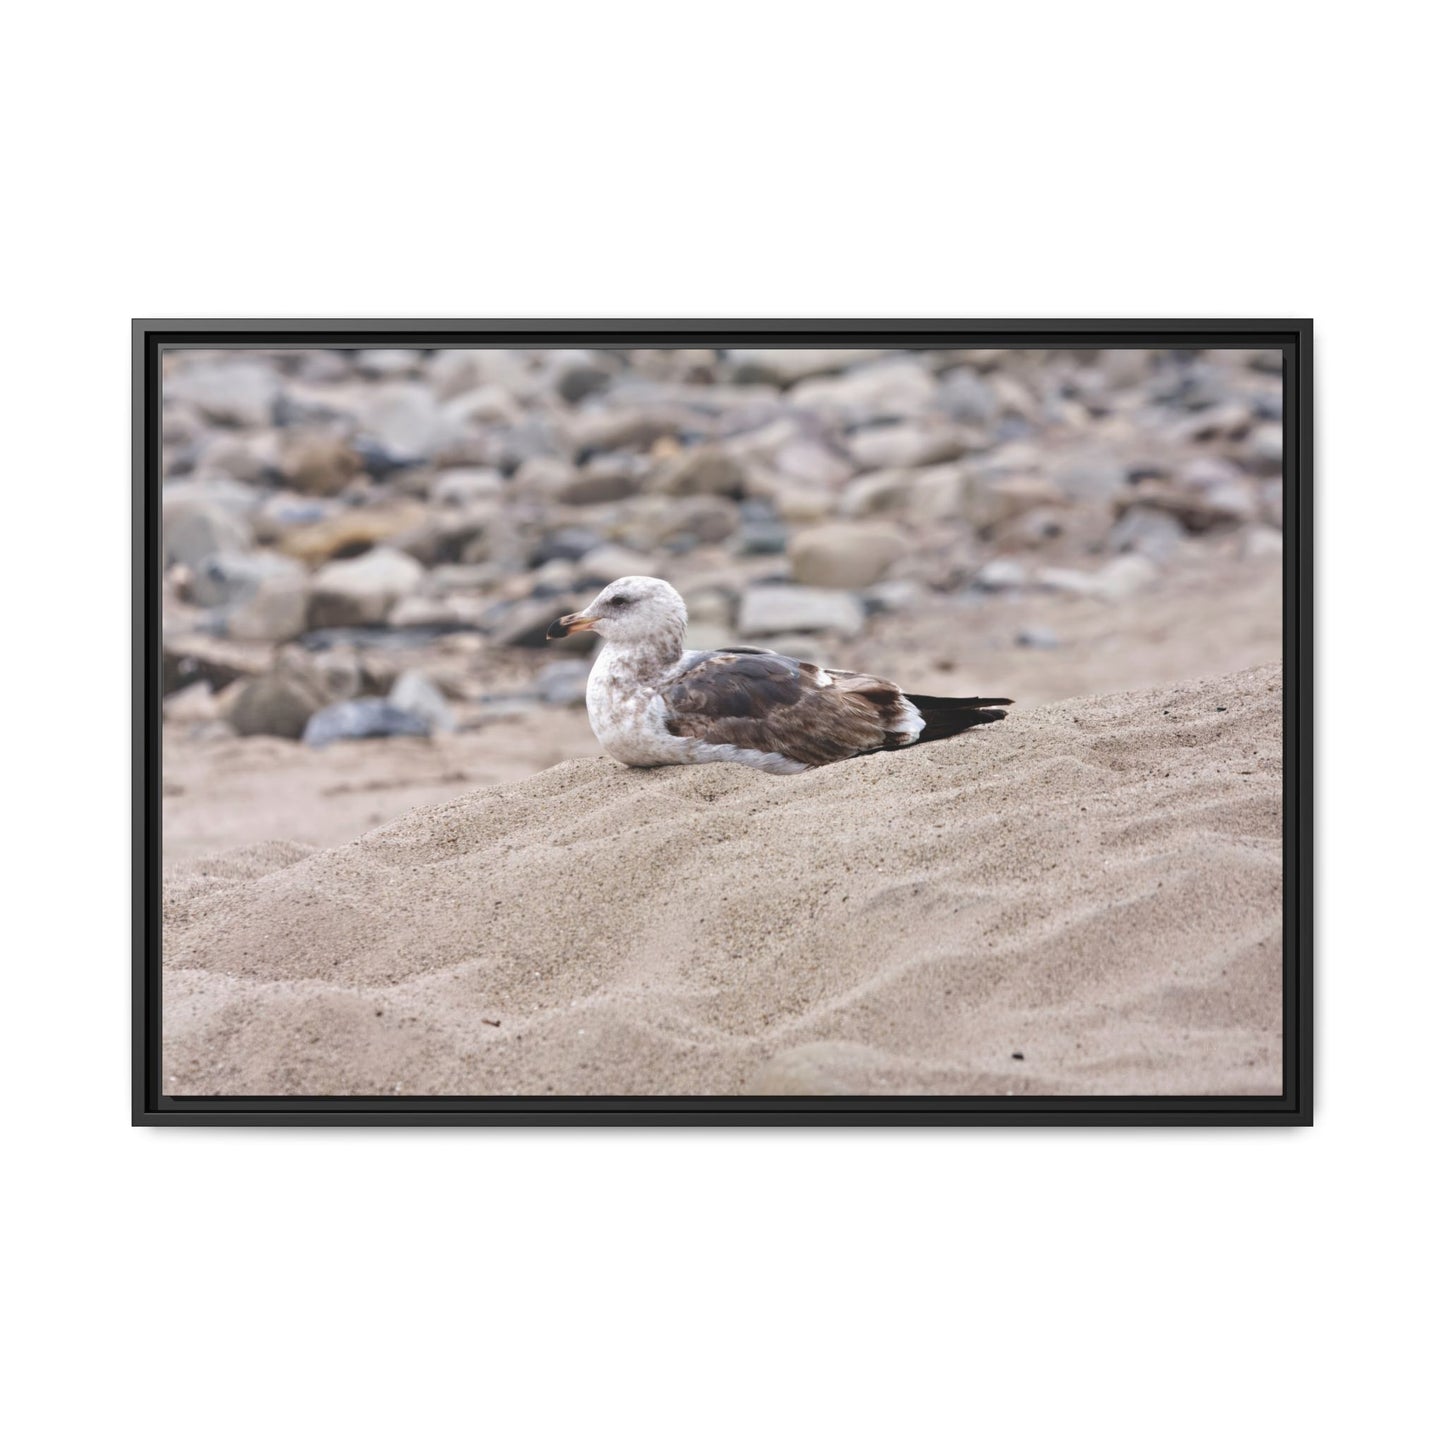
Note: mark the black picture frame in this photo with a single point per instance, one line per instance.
(1294, 1106)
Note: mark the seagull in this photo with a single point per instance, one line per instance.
(651, 702)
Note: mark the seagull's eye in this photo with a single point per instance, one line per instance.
(622, 602)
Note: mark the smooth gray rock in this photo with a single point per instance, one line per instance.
(1149, 532)
(568, 543)
(844, 554)
(563, 683)
(608, 562)
(904, 594)
(805, 460)
(703, 637)
(226, 577)
(230, 494)
(896, 387)
(610, 477)
(1264, 448)
(415, 693)
(319, 464)
(1091, 479)
(483, 406)
(703, 470)
(874, 493)
(1042, 638)
(261, 596)
(362, 717)
(1002, 574)
(195, 530)
(711, 606)
(709, 519)
(360, 591)
(406, 420)
(509, 448)
(277, 705)
(462, 487)
(1231, 503)
(580, 374)
(762, 537)
(1206, 472)
(1124, 576)
(1259, 542)
(250, 457)
(616, 429)
(229, 393)
(1069, 580)
(905, 444)
(542, 477)
(275, 612)
(965, 396)
(1113, 582)
(769, 609)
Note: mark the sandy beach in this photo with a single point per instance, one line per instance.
(1083, 900)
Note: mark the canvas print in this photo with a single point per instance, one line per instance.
(721, 722)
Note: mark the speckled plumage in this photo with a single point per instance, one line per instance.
(653, 703)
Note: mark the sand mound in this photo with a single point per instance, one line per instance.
(1094, 885)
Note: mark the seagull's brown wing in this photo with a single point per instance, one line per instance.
(769, 703)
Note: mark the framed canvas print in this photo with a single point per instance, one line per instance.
(747, 722)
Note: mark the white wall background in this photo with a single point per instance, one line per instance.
(740, 160)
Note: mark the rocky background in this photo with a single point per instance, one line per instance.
(363, 549)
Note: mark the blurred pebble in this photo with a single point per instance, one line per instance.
(1260, 542)
(1000, 575)
(563, 683)
(1147, 531)
(415, 693)
(362, 717)
(844, 554)
(769, 610)
(1044, 638)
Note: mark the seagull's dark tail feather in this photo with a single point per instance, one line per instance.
(945, 716)
(948, 704)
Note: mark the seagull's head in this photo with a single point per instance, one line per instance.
(629, 610)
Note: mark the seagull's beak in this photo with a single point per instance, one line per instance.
(573, 622)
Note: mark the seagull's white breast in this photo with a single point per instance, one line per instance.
(630, 720)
